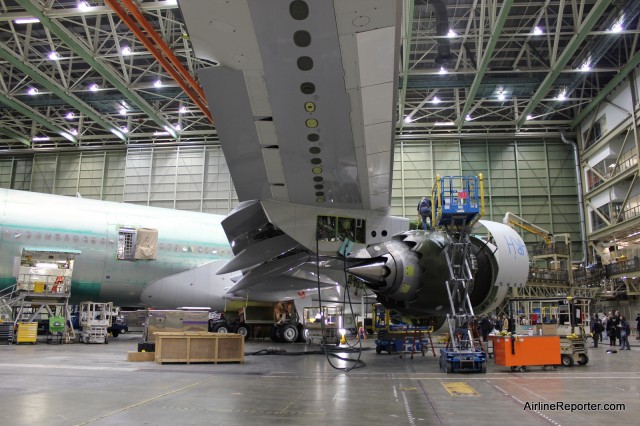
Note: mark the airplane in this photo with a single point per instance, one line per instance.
(303, 94)
(190, 250)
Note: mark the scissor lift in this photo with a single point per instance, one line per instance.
(458, 204)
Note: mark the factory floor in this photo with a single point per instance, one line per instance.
(80, 384)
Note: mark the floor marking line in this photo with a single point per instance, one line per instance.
(138, 404)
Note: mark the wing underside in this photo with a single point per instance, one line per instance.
(303, 96)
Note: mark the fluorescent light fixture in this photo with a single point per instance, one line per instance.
(32, 91)
(444, 123)
(612, 165)
(26, 21)
(501, 96)
(183, 109)
(537, 31)
(585, 67)
(562, 96)
(435, 100)
(47, 265)
(40, 139)
(529, 117)
(54, 56)
(124, 129)
(157, 83)
(451, 33)
(407, 119)
(123, 111)
(443, 71)
(126, 50)
(94, 87)
(67, 136)
(83, 5)
(617, 26)
(160, 133)
(70, 115)
(74, 132)
(177, 127)
(468, 118)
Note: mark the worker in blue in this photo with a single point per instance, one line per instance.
(424, 211)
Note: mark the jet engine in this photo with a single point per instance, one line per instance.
(409, 273)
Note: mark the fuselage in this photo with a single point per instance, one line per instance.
(185, 240)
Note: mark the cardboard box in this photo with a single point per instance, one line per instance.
(546, 330)
(140, 356)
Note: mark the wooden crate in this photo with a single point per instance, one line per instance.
(198, 347)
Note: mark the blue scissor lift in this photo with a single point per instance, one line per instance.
(458, 203)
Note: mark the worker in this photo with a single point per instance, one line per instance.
(424, 211)
(596, 329)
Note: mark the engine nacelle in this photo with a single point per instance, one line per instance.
(409, 272)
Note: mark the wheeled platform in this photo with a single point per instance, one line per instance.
(463, 361)
(520, 352)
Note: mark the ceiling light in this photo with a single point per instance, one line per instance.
(70, 115)
(183, 109)
(26, 21)
(123, 111)
(83, 5)
(451, 33)
(538, 31)
(177, 127)
(612, 165)
(158, 83)
(54, 56)
(501, 96)
(408, 119)
(585, 67)
(32, 91)
(617, 26)
(74, 132)
(443, 71)
(444, 123)
(124, 129)
(468, 118)
(562, 96)
(126, 50)
(529, 117)
(40, 139)
(435, 100)
(160, 133)
(94, 87)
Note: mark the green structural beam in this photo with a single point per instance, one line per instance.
(20, 138)
(565, 57)
(35, 116)
(484, 62)
(617, 79)
(103, 69)
(51, 85)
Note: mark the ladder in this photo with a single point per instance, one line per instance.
(458, 204)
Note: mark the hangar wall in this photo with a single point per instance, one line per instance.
(535, 180)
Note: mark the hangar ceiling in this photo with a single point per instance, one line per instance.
(78, 77)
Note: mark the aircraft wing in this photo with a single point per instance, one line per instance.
(303, 96)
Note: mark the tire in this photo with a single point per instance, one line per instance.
(274, 334)
(124, 331)
(244, 330)
(221, 328)
(483, 368)
(115, 333)
(583, 359)
(378, 349)
(289, 333)
(449, 367)
(567, 361)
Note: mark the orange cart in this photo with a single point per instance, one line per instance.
(520, 352)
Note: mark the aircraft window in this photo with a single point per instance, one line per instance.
(299, 10)
(333, 228)
(126, 244)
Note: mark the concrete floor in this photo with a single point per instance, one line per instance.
(80, 384)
